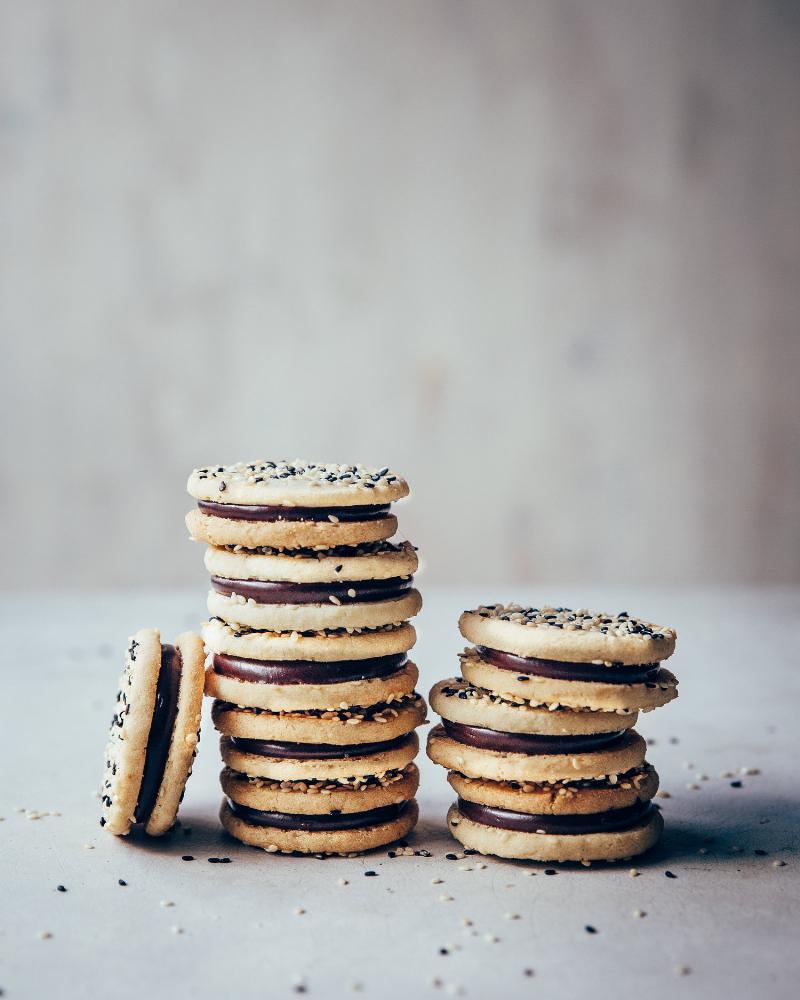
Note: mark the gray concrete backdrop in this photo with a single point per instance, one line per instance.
(542, 257)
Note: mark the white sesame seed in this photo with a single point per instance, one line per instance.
(166, 902)
(639, 913)
(445, 899)
(44, 935)
(778, 863)
(634, 872)
(299, 911)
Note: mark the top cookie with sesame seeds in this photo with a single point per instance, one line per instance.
(296, 483)
(291, 505)
(566, 635)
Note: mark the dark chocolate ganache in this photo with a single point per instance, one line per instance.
(575, 823)
(158, 740)
(306, 671)
(318, 822)
(344, 592)
(489, 739)
(615, 674)
(313, 751)
(254, 512)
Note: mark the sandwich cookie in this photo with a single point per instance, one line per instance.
(579, 659)
(293, 504)
(154, 733)
(320, 782)
(305, 589)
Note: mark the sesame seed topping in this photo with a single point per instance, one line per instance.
(616, 625)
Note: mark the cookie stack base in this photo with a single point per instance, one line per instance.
(608, 845)
(255, 830)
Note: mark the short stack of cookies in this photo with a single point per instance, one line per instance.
(307, 653)
(538, 733)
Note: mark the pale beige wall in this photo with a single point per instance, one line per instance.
(540, 256)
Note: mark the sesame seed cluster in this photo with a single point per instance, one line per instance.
(579, 620)
(307, 652)
(528, 735)
(312, 474)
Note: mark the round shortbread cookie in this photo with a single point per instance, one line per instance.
(622, 756)
(566, 635)
(320, 798)
(377, 762)
(239, 610)
(373, 561)
(343, 727)
(296, 483)
(354, 841)
(302, 697)
(593, 695)
(341, 644)
(607, 846)
(459, 701)
(222, 531)
(560, 797)
(185, 736)
(144, 780)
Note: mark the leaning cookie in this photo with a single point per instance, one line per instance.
(293, 504)
(154, 733)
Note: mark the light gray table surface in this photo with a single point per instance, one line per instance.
(726, 926)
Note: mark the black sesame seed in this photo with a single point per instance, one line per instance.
(61, 888)
(590, 929)
(187, 857)
(370, 874)
(122, 881)
(736, 784)
(443, 951)
(670, 874)
(550, 871)
(451, 857)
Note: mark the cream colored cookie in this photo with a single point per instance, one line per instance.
(253, 644)
(622, 756)
(460, 701)
(144, 781)
(593, 695)
(373, 561)
(185, 736)
(130, 729)
(560, 797)
(354, 841)
(239, 610)
(286, 534)
(281, 769)
(608, 846)
(322, 798)
(566, 635)
(344, 727)
(296, 483)
(301, 697)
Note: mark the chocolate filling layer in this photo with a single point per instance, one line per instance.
(158, 740)
(315, 822)
(312, 751)
(254, 512)
(489, 739)
(264, 592)
(505, 819)
(306, 671)
(616, 674)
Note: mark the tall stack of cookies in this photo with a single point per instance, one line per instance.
(307, 649)
(538, 733)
